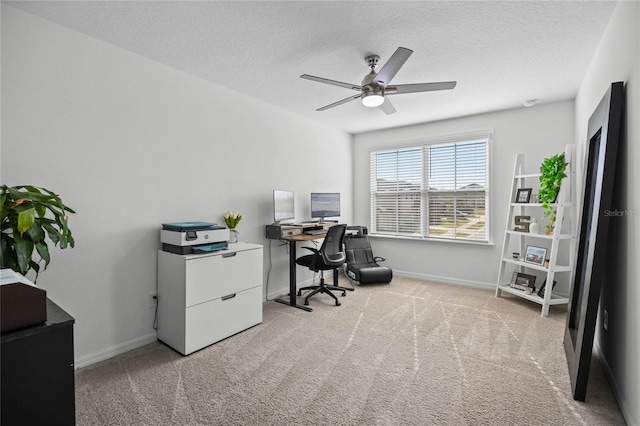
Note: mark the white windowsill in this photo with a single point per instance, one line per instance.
(433, 240)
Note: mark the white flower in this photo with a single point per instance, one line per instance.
(231, 219)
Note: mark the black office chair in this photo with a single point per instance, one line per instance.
(362, 265)
(330, 256)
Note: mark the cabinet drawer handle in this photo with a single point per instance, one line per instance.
(229, 254)
(230, 296)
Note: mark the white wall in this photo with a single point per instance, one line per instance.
(130, 144)
(538, 132)
(618, 59)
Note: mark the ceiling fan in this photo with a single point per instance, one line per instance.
(375, 85)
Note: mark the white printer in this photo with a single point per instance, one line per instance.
(193, 237)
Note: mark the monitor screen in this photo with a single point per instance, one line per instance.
(325, 204)
(283, 205)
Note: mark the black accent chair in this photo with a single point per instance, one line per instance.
(362, 265)
(330, 256)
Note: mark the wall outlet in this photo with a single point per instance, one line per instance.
(605, 320)
(153, 300)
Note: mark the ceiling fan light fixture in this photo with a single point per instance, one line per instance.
(375, 85)
(372, 99)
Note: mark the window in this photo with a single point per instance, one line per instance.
(438, 190)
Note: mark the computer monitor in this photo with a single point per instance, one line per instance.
(283, 205)
(325, 204)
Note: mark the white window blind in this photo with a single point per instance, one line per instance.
(438, 190)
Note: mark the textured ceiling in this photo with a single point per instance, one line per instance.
(501, 53)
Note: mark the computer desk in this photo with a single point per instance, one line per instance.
(293, 290)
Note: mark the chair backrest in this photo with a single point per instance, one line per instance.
(331, 249)
(358, 250)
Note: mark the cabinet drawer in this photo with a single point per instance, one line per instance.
(212, 321)
(212, 277)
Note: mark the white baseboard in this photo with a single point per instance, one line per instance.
(433, 278)
(446, 280)
(110, 352)
(285, 291)
(617, 393)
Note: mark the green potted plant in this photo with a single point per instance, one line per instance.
(552, 171)
(232, 219)
(29, 215)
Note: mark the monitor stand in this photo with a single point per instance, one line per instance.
(323, 221)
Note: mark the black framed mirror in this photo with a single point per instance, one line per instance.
(602, 147)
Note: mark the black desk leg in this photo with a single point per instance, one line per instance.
(292, 280)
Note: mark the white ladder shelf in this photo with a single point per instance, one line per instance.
(561, 239)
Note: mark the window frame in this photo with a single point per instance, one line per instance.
(424, 144)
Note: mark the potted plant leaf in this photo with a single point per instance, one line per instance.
(30, 216)
(552, 171)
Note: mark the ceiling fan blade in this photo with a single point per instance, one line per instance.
(419, 87)
(387, 106)
(332, 82)
(344, 101)
(391, 68)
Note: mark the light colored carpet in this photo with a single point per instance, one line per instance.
(407, 353)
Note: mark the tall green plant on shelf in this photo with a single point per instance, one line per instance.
(29, 215)
(552, 171)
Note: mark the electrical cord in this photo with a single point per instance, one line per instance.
(155, 319)
(285, 243)
(266, 296)
(288, 248)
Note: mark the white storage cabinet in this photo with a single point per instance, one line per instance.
(204, 298)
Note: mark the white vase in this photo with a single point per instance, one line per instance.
(534, 227)
(233, 236)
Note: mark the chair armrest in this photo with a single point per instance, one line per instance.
(316, 257)
(379, 258)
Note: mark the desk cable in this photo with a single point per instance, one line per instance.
(284, 243)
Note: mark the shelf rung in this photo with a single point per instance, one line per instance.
(558, 268)
(555, 300)
(530, 175)
(561, 268)
(530, 234)
(525, 264)
(543, 236)
(532, 204)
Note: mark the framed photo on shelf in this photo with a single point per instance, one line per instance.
(520, 281)
(535, 255)
(544, 284)
(523, 195)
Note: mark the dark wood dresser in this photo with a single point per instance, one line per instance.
(37, 372)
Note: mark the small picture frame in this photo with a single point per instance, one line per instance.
(522, 281)
(542, 288)
(523, 195)
(535, 255)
